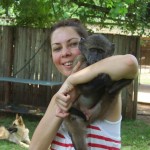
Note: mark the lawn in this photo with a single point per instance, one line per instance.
(135, 134)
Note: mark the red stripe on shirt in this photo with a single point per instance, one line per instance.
(60, 135)
(102, 146)
(102, 138)
(93, 127)
(62, 144)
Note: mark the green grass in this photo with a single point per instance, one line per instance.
(135, 134)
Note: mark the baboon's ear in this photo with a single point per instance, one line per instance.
(82, 39)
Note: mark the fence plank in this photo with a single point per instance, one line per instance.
(6, 51)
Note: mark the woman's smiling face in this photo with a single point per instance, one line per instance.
(64, 44)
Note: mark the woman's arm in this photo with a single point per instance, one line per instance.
(52, 119)
(118, 67)
(47, 128)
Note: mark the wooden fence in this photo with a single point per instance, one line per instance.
(25, 53)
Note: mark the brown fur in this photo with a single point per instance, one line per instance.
(20, 137)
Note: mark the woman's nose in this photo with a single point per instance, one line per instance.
(66, 52)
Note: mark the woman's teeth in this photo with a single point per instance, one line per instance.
(68, 64)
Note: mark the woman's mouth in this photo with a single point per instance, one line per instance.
(68, 63)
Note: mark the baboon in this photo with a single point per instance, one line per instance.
(98, 94)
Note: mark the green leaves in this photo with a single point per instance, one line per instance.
(128, 15)
(120, 10)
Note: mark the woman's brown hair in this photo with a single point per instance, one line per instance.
(75, 23)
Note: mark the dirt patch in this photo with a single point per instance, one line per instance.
(143, 108)
(144, 118)
(143, 112)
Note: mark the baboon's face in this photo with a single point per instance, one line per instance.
(95, 48)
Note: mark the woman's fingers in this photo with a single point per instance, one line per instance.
(64, 102)
(65, 107)
(64, 99)
(61, 114)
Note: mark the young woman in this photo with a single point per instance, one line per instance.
(102, 134)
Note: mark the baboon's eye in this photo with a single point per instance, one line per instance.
(99, 50)
(93, 49)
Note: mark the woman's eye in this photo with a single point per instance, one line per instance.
(74, 44)
(56, 49)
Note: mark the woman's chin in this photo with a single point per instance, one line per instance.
(66, 73)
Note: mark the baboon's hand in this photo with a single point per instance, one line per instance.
(76, 67)
(118, 85)
(79, 63)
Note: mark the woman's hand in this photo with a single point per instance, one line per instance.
(66, 95)
(65, 98)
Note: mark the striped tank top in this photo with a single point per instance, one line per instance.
(101, 135)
